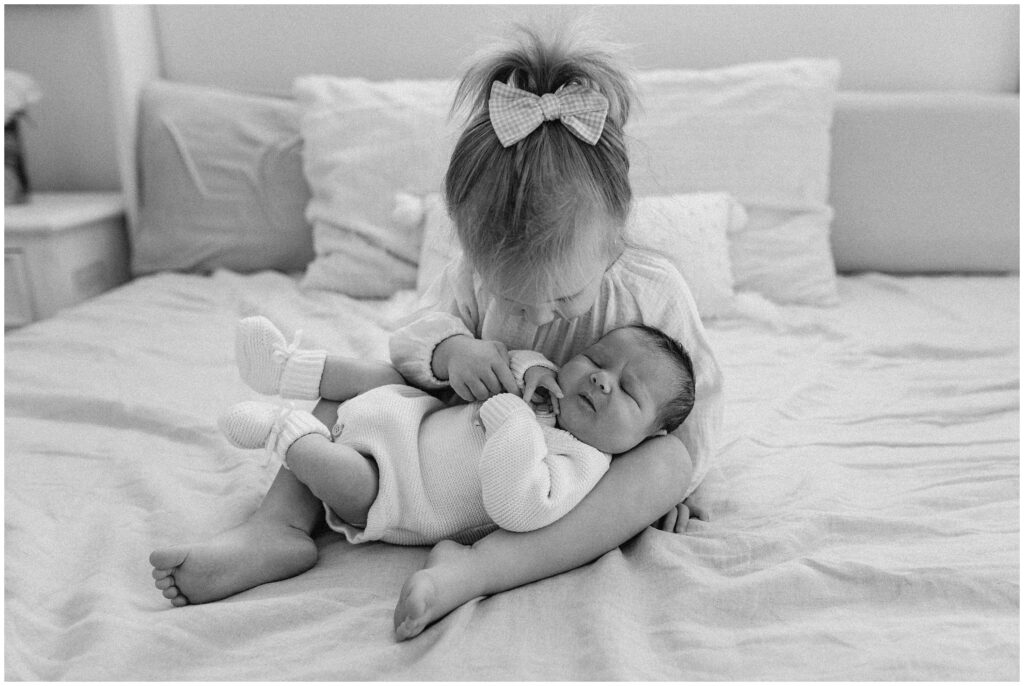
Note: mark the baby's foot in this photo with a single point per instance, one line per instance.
(444, 583)
(253, 424)
(272, 367)
(236, 560)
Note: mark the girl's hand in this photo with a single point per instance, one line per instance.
(476, 369)
(541, 377)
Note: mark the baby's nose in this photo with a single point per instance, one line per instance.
(601, 381)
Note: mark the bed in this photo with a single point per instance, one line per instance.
(864, 504)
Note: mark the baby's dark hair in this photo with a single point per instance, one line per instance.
(516, 210)
(674, 412)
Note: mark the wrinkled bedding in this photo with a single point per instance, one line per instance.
(864, 512)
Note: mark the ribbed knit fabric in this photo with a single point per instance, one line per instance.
(440, 476)
(639, 287)
(531, 475)
(254, 424)
(301, 374)
(270, 366)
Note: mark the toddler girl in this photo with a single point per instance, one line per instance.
(538, 189)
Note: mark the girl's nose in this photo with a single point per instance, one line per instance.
(600, 379)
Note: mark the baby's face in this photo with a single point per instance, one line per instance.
(613, 392)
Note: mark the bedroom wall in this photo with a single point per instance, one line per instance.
(71, 143)
(881, 47)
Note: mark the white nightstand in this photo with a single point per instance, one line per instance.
(59, 249)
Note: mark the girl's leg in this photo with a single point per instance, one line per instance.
(638, 488)
(273, 544)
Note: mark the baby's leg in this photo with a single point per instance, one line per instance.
(274, 543)
(638, 488)
(337, 474)
(347, 377)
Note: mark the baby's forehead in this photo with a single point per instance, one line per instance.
(644, 360)
(623, 341)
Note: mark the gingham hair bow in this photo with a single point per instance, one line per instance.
(516, 113)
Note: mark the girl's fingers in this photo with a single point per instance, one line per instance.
(490, 380)
(462, 390)
(477, 390)
(505, 378)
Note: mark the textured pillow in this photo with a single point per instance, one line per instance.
(364, 143)
(760, 132)
(221, 183)
(691, 230)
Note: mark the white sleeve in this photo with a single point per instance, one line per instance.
(527, 483)
(448, 308)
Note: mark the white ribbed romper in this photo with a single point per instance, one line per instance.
(445, 475)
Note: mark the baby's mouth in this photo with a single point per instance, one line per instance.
(585, 399)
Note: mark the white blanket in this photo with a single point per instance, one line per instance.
(865, 513)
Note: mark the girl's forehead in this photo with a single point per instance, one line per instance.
(560, 282)
(550, 279)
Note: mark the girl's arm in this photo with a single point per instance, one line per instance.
(638, 487)
(448, 308)
(527, 482)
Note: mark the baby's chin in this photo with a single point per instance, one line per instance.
(583, 432)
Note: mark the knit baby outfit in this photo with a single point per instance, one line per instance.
(443, 475)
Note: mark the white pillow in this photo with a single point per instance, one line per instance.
(363, 143)
(761, 132)
(691, 230)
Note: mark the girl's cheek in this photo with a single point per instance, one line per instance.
(575, 308)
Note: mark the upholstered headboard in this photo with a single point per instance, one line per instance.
(921, 181)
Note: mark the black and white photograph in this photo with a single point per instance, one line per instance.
(512, 342)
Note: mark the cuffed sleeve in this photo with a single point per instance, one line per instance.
(447, 309)
(530, 476)
(521, 360)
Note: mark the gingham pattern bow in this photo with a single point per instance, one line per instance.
(516, 113)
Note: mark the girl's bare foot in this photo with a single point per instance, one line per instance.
(238, 559)
(447, 581)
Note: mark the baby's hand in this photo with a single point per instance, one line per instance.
(541, 377)
(478, 369)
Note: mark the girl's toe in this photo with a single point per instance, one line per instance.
(171, 592)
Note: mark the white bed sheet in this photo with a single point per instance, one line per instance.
(865, 509)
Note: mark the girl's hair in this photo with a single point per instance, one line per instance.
(521, 212)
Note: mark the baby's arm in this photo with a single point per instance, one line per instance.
(527, 483)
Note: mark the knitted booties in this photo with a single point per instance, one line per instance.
(253, 424)
(272, 367)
